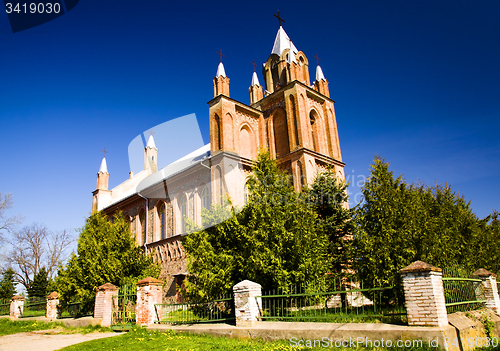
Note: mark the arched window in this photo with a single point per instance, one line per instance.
(295, 122)
(313, 117)
(280, 128)
(217, 132)
(142, 224)
(162, 219)
(183, 209)
(205, 197)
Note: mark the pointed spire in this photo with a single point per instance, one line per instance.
(282, 42)
(151, 142)
(255, 80)
(291, 55)
(319, 74)
(104, 166)
(220, 71)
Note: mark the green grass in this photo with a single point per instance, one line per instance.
(9, 327)
(142, 339)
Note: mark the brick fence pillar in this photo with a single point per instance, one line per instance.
(52, 303)
(104, 303)
(247, 304)
(490, 288)
(424, 295)
(149, 293)
(16, 306)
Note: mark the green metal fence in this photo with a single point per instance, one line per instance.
(74, 309)
(34, 307)
(124, 307)
(340, 302)
(4, 307)
(461, 291)
(215, 311)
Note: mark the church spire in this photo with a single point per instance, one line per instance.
(320, 84)
(221, 81)
(255, 89)
(319, 74)
(104, 166)
(151, 154)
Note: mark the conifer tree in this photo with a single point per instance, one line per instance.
(8, 284)
(39, 284)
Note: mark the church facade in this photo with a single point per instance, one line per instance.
(292, 118)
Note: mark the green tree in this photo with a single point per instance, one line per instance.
(38, 287)
(272, 241)
(398, 223)
(106, 254)
(8, 284)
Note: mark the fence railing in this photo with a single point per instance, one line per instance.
(347, 301)
(461, 291)
(124, 306)
(4, 307)
(74, 309)
(34, 307)
(216, 311)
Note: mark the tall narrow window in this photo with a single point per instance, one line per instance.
(162, 218)
(295, 122)
(280, 127)
(205, 197)
(314, 130)
(218, 132)
(183, 208)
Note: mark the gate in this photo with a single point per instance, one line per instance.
(124, 303)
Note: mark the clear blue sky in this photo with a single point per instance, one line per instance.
(417, 82)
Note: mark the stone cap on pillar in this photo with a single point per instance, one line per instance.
(53, 296)
(17, 297)
(419, 266)
(483, 273)
(247, 285)
(107, 286)
(149, 281)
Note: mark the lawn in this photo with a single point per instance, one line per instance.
(9, 327)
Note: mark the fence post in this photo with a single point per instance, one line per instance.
(16, 306)
(104, 303)
(490, 288)
(424, 295)
(149, 293)
(52, 303)
(246, 303)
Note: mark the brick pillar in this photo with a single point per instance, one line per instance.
(424, 295)
(52, 303)
(16, 306)
(149, 293)
(490, 288)
(104, 303)
(246, 303)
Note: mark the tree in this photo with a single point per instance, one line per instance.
(106, 254)
(398, 224)
(328, 198)
(272, 241)
(38, 287)
(7, 224)
(8, 284)
(34, 247)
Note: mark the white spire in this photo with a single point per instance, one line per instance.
(319, 74)
(282, 42)
(291, 55)
(104, 167)
(255, 80)
(151, 142)
(221, 71)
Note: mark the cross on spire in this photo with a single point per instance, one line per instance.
(104, 152)
(151, 132)
(254, 65)
(317, 59)
(221, 55)
(279, 18)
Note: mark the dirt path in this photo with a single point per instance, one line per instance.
(42, 341)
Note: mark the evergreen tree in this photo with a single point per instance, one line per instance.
(38, 287)
(106, 254)
(272, 241)
(8, 284)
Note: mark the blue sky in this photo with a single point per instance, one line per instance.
(417, 82)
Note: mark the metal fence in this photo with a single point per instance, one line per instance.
(35, 307)
(215, 311)
(4, 307)
(74, 309)
(340, 302)
(124, 306)
(461, 291)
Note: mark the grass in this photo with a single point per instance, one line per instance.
(142, 339)
(9, 327)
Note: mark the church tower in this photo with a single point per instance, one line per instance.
(150, 155)
(101, 194)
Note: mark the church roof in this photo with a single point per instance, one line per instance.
(151, 142)
(255, 80)
(282, 42)
(104, 166)
(220, 71)
(319, 74)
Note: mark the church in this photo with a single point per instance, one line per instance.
(292, 118)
